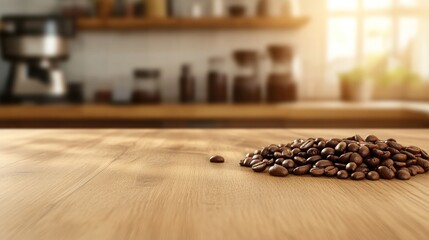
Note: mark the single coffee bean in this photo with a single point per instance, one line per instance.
(342, 174)
(313, 159)
(313, 151)
(217, 159)
(297, 143)
(393, 151)
(345, 158)
(302, 154)
(358, 176)
(247, 161)
(332, 158)
(296, 151)
(364, 151)
(327, 151)
(321, 145)
(278, 154)
(317, 172)
(387, 163)
(259, 167)
(278, 171)
(394, 144)
(258, 151)
(385, 155)
(273, 148)
(385, 172)
(391, 139)
(404, 169)
(279, 161)
(332, 143)
(299, 160)
(287, 153)
(353, 147)
(320, 139)
(257, 156)
(400, 164)
(362, 169)
(323, 164)
(420, 169)
(382, 146)
(411, 162)
(341, 147)
(423, 163)
(413, 170)
(393, 169)
(250, 154)
(413, 149)
(288, 163)
(399, 157)
(307, 145)
(340, 166)
(403, 175)
(255, 161)
(302, 169)
(356, 158)
(409, 155)
(331, 171)
(242, 162)
(269, 162)
(373, 162)
(351, 166)
(377, 153)
(358, 138)
(373, 175)
(371, 138)
(425, 155)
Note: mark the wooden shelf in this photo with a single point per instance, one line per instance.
(190, 23)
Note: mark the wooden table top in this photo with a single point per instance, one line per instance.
(159, 184)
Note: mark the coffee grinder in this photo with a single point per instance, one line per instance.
(35, 46)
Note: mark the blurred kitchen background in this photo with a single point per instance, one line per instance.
(214, 63)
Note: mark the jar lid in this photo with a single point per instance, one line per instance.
(146, 73)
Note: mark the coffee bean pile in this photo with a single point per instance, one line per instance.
(353, 157)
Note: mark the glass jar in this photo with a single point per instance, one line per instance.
(155, 8)
(247, 88)
(217, 81)
(146, 86)
(187, 85)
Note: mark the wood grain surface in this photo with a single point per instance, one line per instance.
(159, 184)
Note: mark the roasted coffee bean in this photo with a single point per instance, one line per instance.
(394, 144)
(351, 167)
(340, 166)
(317, 172)
(217, 159)
(242, 162)
(371, 138)
(278, 171)
(278, 154)
(382, 146)
(362, 169)
(327, 151)
(258, 151)
(296, 151)
(257, 156)
(247, 161)
(393, 151)
(259, 167)
(420, 169)
(404, 168)
(307, 145)
(297, 143)
(425, 155)
(364, 151)
(400, 164)
(269, 162)
(399, 157)
(387, 163)
(250, 154)
(413, 149)
(287, 153)
(373, 162)
(377, 153)
(320, 139)
(273, 148)
(302, 170)
(373, 175)
(342, 174)
(313, 159)
(302, 154)
(281, 145)
(333, 142)
(345, 158)
(313, 151)
(288, 163)
(279, 161)
(299, 160)
(332, 158)
(356, 158)
(411, 162)
(323, 164)
(386, 155)
(409, 155)
(423, 163)
(391, 139)
(403, 175)
(393, 169)
(353, 147)
(413, 170)
(331, 171)
(341, 147)
(264, 151)
(358, 138)
(358, 176)
(385, 172)
(253, 162)
(321, 145)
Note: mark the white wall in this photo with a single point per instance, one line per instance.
(111, 56)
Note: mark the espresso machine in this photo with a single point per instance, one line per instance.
(35, 46)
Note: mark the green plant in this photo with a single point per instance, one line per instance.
(399, 75)
(356, 75)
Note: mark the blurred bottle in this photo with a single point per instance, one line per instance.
(146, 86)
(217, 81)
(247, 88)
(187, 85)
(155, 8)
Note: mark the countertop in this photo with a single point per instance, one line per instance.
(293, 115)
(159, 184)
